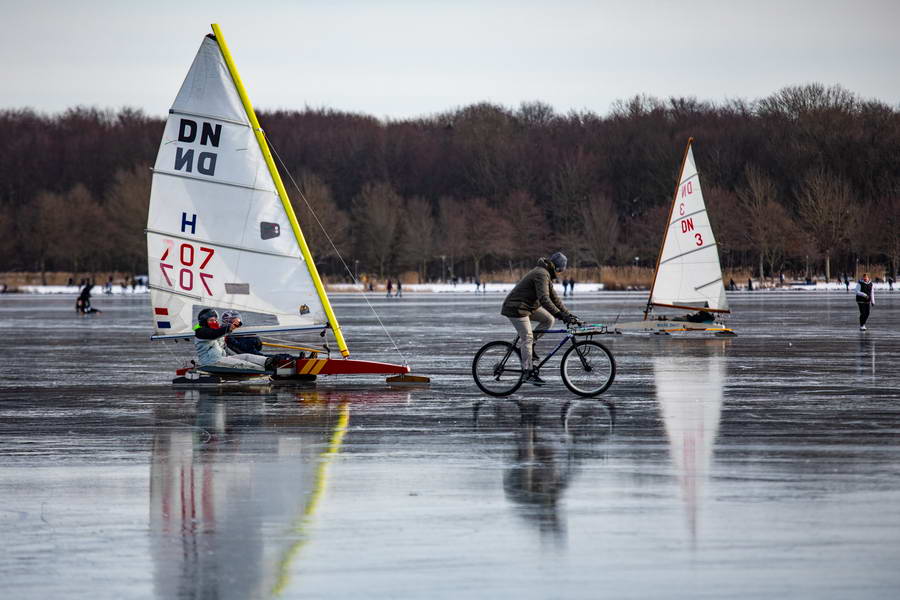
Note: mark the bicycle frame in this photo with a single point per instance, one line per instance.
(569, 336)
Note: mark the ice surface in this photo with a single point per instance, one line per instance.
(767, 465)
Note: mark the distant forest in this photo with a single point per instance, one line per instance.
(807, 178)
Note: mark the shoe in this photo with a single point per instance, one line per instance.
(862, 327)
(534, 379)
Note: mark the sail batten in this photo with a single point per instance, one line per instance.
(221, 245)
(686, 276)
(172, 111)
(213, 181)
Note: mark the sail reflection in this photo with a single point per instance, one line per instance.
(234, 484)
(689, 392)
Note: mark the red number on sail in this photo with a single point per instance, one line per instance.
(203, 278)
(187, 255)
(190, 259)
(163, 267)
(209, 255)
(681, 209)
(699, 239)
(190, 278)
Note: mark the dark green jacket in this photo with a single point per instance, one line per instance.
(534, 291)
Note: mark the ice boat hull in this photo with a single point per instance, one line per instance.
(669, 326)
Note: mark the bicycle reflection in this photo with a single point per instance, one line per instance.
(549, 449)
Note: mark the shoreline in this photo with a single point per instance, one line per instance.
(437, 288)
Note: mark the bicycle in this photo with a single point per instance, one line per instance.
(587, 369)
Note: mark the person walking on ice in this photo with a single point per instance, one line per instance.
(534, 299)
(865, 299)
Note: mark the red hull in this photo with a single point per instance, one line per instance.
(338, 366)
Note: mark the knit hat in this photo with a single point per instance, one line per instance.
(559, 261)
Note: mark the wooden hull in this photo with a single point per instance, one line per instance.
(666, 326)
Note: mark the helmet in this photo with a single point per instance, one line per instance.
(206, 315)
(559, 261)
(230, 315)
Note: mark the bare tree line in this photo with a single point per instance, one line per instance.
(807, 176)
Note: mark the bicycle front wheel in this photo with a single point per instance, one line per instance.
(497, 369)
(588, 368)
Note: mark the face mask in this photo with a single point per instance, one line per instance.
(212, 323)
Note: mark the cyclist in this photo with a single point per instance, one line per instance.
(534, 299)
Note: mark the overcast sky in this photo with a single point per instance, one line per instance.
(410, 58)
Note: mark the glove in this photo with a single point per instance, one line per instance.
(569, 319)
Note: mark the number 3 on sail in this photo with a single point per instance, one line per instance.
(221, 232)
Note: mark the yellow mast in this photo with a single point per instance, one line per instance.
(282, 193)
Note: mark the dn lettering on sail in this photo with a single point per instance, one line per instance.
(187, 158)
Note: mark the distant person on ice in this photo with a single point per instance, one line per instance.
(209, 340)
(865, 299)
(83, 303)
(390, 288)
(534, 299)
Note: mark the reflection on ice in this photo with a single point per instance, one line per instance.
(689, 392)
(549, 447)
(233, 488)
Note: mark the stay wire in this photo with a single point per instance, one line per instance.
(336, 251)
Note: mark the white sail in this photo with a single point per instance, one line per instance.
(218, 234)
(689, 274)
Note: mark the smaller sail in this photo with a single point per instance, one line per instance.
(688, 274)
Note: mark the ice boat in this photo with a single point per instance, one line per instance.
(688, 275)
(221, 231)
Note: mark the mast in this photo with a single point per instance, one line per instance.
(282, 192)
(666, 230)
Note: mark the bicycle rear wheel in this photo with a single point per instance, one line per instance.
(588, 368)
(497, 369)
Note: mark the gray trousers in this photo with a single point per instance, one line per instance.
(527, 336)
(242, 361)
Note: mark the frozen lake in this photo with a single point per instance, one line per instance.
(762, 466)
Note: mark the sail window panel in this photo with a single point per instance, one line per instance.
(208, 88)
(215, 150)
(231, 217)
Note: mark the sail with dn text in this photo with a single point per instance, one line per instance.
(689, 274)
(218, 234)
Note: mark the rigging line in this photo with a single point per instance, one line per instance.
(336, 251)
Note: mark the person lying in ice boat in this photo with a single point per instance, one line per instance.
(701, 316)
(209, 340)
(246, 344)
